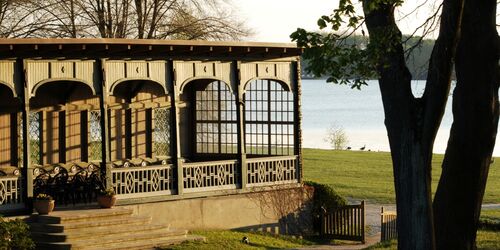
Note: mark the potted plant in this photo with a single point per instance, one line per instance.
(44, 203)
(106, 198)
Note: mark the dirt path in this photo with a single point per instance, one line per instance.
(370, 240)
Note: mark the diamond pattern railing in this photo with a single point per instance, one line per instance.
(208, 176)
(143, 181)
(10, 193)
(272, 170)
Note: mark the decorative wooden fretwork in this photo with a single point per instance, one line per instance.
(208, 176)
(41, 71)
(10, 192)
(7, 75)
(216, 129)
(34, 131)
(161, 132)
(187, 71)
(122, 70)
(281, 71)
(272, 170)
(269, 119)
(95, 135)
(143, 181)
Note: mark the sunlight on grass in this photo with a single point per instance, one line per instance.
(219, 239)
(368, 175)
(493, 214)
(486, 240)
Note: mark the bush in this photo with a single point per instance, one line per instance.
(14, 234)
(324, 199)
(336, 137)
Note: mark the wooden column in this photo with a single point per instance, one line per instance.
(176, 149)
(240, 116)
(105, 135)
(27, 171)
(296, 82)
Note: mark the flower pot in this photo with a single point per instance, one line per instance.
(44, 206)
(106, 201)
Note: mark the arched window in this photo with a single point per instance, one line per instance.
(269, 119)
(216, 122)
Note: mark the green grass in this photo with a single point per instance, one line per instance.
(491, 214)
(368, 175)
(360, 175)
(223, 239)
(485, 240)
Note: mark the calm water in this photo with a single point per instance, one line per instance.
(359, 113)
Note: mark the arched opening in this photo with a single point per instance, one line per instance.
(269, 118)
(208, 121)
(60, 121)
(140, 117)
(10, 127)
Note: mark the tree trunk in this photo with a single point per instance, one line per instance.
(403, 119)
(458, 199)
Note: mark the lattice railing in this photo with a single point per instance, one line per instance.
(272, 170)
(136, 182)
(210, 176)
(10, 193)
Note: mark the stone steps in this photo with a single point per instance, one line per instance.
(71, 217)
(104, 231)
(88, 225)
(115, 228)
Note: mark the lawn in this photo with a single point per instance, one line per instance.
(368, 175)
(354, 174)
(223, 239)
(486, 240)
(491, 213)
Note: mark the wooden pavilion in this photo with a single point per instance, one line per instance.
(157, 120)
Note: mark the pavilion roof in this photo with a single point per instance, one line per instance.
(111, 47)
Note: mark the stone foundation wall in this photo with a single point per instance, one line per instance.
(254, 211)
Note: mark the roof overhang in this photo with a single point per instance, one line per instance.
(109, 47)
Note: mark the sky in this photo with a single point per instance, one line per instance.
(275, 20)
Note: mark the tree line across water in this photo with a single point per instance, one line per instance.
(418, 52)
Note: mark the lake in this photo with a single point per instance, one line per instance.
(359, 113)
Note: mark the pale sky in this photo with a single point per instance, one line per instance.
(275, 20)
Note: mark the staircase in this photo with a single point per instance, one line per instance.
(115, 228)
